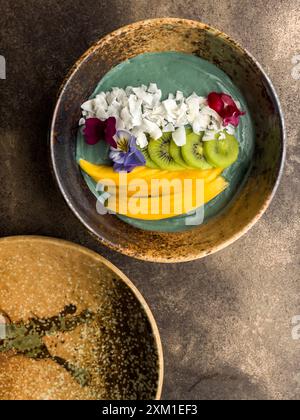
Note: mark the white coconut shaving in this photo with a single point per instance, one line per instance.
(142, 111)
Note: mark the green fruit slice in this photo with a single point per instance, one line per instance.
(175, 152)
(149, 161)
(222, 153)
(159, 151)
(193, 152)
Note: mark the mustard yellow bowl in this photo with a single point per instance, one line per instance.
(73, 326)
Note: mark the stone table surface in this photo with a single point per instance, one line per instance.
(225, 321)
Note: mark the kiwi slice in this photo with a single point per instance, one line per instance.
(175, 152)
(159, 151)
(149, 161)
(193, 152)
(222, 153)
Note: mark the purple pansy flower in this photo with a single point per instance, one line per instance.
(96, 130)
(126, 155)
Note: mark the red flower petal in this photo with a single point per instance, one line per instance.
(110, 131)
(215, 102)
(228, 111)
(234, 119)
(93, 131)
(227, 99)
(225, 106)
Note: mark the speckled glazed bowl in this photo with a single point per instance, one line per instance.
(75, 326)
(257, 192)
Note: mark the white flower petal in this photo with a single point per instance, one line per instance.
(179, 136)
(115, 156)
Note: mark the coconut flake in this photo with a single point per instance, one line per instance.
(152, 129)
(230, 129)
(142, 94)
(201, 122)
(126, 118)
(153, 88)
(141, 140)
(169, 128)
(135, 108)
(209, 135)
(142, 111)
(179, 136)
(179, 96)
(88, 106)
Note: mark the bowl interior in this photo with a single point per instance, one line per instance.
(254, 197)
(78, 328)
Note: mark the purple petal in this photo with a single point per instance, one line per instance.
(117, 156)
(110, 131)
(118, 167)
(135, 158)
(126, 161)
(93, 131)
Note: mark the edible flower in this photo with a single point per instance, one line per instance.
(126, 155)
(225, 106)
(96, 130)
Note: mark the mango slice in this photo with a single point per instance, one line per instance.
(129, 199)
(101, 173)
(166, 206)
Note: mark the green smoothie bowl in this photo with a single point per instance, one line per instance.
(168, 99)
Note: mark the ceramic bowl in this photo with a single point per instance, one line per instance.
(257, 192)
(75, 326)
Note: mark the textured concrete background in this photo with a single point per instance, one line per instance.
(225, 321)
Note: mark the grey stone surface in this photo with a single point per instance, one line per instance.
(225, 321)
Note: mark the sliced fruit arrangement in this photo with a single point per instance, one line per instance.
(160, 153)
(222, 153)
(174, 203)
(102, 173)
(128, 186)
(149, 162)
(160, 156)
(195, 154)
